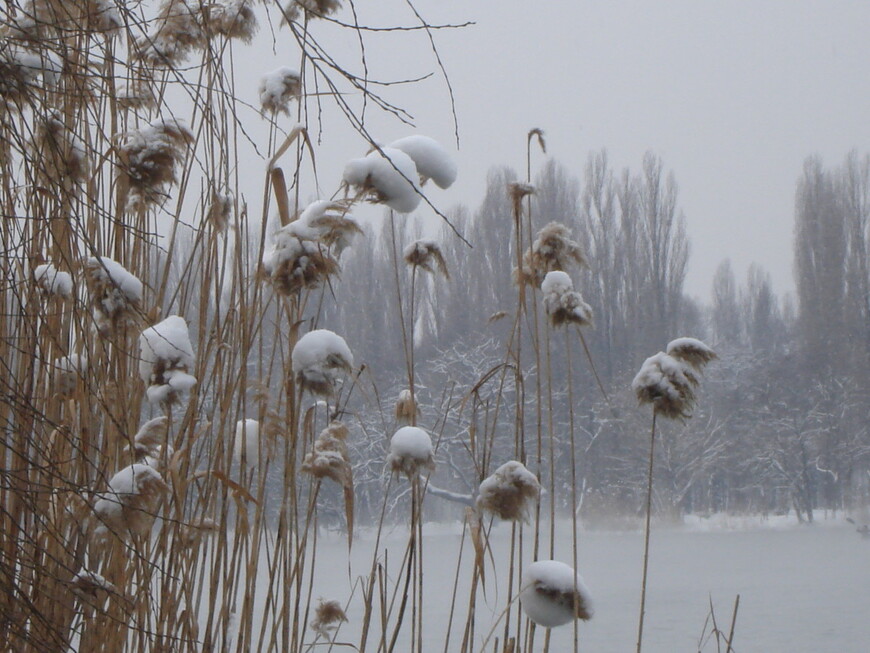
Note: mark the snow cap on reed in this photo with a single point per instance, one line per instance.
(319, 358)
(130, 502)
(53, 281)
(278, 88)
(552, 249)
(668, 380)
(562, 303)
(411, 451)
(553, 594)
(166, 360)
(510, 492)
(430, 158)
(329, 457)
(115, 294)
(388, 176)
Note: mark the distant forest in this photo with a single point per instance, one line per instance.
(781, 422)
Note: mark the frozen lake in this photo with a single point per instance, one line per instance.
(801, 588)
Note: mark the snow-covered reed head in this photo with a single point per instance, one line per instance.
(426, 255)
(329, 458)
(319, 358)
(553, 594)
(328, 615)
(692, 351)
(233, 19)
(295, 264)
(89, 585)
(53, 282)
(552, 250)
(407, 409)
(150, 157)
(220, 209)
(411, 451)
(246, 442)
(68, 371)
(136, 94)
(115, 294)
(668, 380)
(149, 442)
(562, 303)
(430, 158)
(61, 154)
(278, 88)
(388, 176)
(166, 360)
(310, 8)
(37, 18)
(19, 71)
(130, 503)
(510, 492)
(177, 31)
(326, 222)
(518, 191)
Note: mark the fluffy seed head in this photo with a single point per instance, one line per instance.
(176, 33)
(319, 358)
(129, 504)
(668, 384)
(407, 409)
(166, 360)
(295, 264)
(234, 19)
(278, 89)
(115, 294)
(329, 459)
(510, 492)
(552, 250)
(692, 351)
(562, 303)
(327, 617)
(426, 254)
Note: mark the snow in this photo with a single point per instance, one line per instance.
(326, 221)
(166, 356)
(246, 447)
(129, 287)
(547, 594)
(509, 491)
(319, 357)
(390, 178)
(278, 88)
(132, 490)
(53, 281)
(430, 158)
(667, 382)
(410, 449)
(561, 302)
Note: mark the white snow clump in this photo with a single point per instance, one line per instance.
(115, 293)
(53, 281)
(278, 88)
(509, 492)
(246, 447)
(386, 177)
(319, 358)
(166, 358)
(553, 595)
(430, 158)
(131, 500)
(410, 450)
(561, 302)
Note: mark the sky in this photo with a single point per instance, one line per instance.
(733, 96)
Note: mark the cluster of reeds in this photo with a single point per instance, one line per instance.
(176, 398)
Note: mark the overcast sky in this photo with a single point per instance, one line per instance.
(732, 95)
